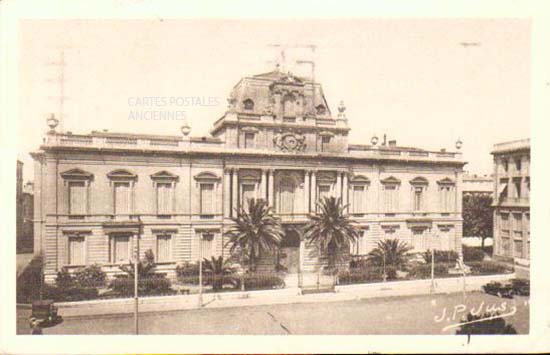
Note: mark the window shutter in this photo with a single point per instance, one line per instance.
(164, 250)
(77, 198)
(207, 197)
(122, 198)
(76, 250)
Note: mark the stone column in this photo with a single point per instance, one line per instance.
(345, 189)
(271, 192)
(263, 184)
(313, 197)
(339, 185)
(306, 191)
(235, 187)
(227, 192)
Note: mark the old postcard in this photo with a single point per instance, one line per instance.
(190, 169)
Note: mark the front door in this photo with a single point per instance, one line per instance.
(290, 252)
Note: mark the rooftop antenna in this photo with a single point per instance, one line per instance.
(61, 63)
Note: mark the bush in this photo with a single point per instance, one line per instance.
(488, 326)
(472, 253)
(188, 273)
(90, 276)
(424, 271)
(441, 256)
(64, 279)
(69, 294)
(361, 275)
(259, 282)
(488, 268)
(155, 284)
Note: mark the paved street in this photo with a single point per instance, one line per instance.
(395, 315)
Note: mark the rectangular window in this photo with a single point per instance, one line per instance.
(446, 198)
(77, 198)
(517, 188)
(206, 246)
(505, 165)
(249, 140)
(122, 198)
(517, 222)
(324, 191)
(76, 250)
(207, 198)
(418, 198)
(164, 198)
(248, 192)
(505, 222)
(518, 248)
(391, 198)
(506, 246)
(358, 198)
(325, 142)
(518, 165)
(164, 248)
(359, 246)
(120, 249)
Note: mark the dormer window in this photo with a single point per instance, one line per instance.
(320, 109)
(248, 105)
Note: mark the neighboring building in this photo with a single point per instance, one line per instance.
(278, 140)
(477, 185)
(24, 213)
(512, 187)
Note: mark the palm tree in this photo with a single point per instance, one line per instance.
(217, 268)
(390, 253)
(331, 229)
(256, 232)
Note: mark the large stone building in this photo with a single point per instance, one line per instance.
(278, 140)
(512, 185)
(473, 184)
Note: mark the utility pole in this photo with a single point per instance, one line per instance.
(432, 288)
(136, 280)
(60, 79)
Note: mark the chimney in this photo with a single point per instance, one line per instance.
(392, 143)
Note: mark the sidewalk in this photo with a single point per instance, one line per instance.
(284, 296)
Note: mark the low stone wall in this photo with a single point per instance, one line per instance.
(282, 296)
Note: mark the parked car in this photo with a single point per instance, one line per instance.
(44, 313)
(499, 289)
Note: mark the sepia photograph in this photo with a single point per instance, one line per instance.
(283, 176)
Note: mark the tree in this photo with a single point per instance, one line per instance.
(477, 214)
(256, 232)
(475, 325)
(390, 253)
(331, 229)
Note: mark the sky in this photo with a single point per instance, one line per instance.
(411, 79)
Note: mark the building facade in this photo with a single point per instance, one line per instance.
(512, 186)
(278, 140)
(474, 184)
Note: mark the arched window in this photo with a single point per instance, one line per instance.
(248, 105)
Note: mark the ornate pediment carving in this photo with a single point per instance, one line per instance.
(290, 141)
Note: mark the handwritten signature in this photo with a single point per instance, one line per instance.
(457, 312)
